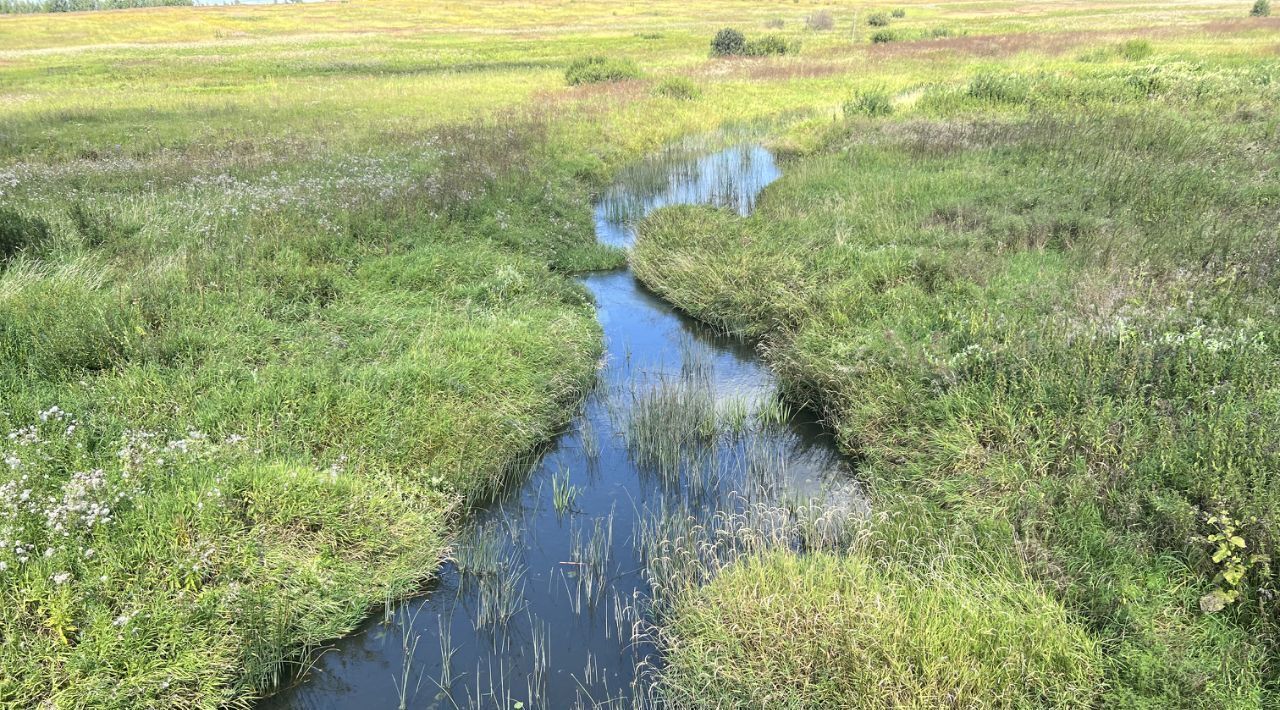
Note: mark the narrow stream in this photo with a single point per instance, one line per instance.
(682, 448)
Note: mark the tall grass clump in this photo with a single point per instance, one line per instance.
(878, 19)
(19, 233)
(898, 13)
(883, 37)
(999, 88)
(821, 630)
(600, 69)
(678, 88)
(870, 102)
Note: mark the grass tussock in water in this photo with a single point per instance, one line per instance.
(821, 630)
(1041, 308)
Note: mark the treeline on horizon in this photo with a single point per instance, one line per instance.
(13, 7)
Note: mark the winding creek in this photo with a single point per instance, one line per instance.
(682, 448)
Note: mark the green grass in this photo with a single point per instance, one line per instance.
(315, 284)
(861, 635)
(1034, 305)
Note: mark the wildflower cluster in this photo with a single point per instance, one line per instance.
(53, 505)
(346, 184)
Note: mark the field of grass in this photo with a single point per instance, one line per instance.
(284, 288)
(1041, 307)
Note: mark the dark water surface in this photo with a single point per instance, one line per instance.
(546, 603)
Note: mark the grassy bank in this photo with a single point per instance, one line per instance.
(277, 298)
(1040, 307)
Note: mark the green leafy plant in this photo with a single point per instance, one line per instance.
(1231, 557)
(1261, 8)
(883, 37)
(878, 19)
(898, 13)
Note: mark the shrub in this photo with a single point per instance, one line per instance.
(768, 45)
(939, 32)
(899, 13)
(775, 24)
(593, 70)
(1261, 8)
(728, 42)
(820, 21)
(18, 232)
(679, 88)
(883, 37)
(878, 19)
(872, 102)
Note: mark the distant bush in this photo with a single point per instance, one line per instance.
(878, 19)
(728, 42)
(679, 88)
(594, 70)
(883, 37)
(821, 21)
(1261, 8)
(769, 45)
(872, 102)
(731, 43)
(18, 233)
(775, 24)
(940, 32)
(899, 13)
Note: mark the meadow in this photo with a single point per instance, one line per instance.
(285, 290)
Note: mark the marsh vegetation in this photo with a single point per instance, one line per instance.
(307, 332)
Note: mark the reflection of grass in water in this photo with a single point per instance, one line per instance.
(681, 175)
